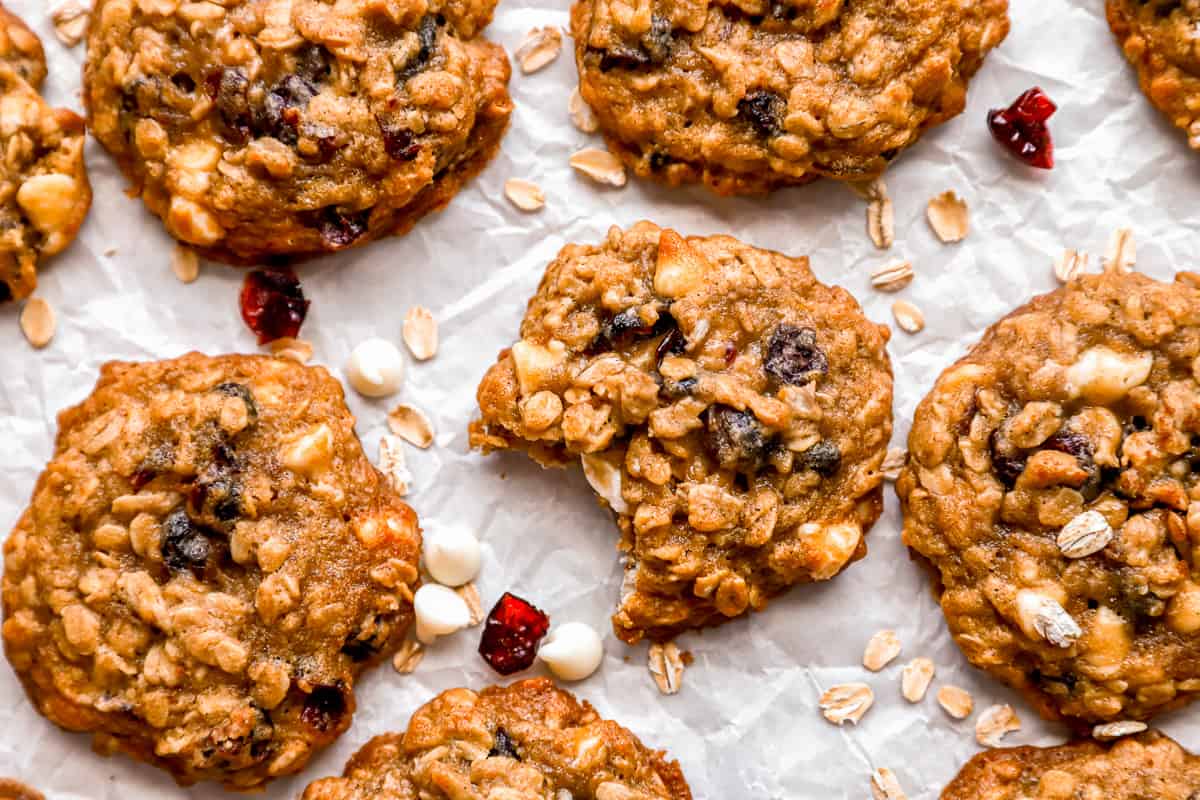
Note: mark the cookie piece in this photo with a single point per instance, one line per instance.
(43, 182)
(753, 95)
(1052, 485)
(1148, 765)
(527, 740)
(21, 49)
(729, 408)
(206, 566)
(15, 790)
(256, 129)
(1159, 39)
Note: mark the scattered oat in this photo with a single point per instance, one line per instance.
(915, 679)
(947, 215)
(846, 702)
(420, 333)
(470, 595)
(1115, 730)
(884, 785)
(38, 322)
(581, 113)
(392, 464)
(525, 195)
(70, 22)
(666, 666)
(892, 277)
(1087, 533)
(411, 424)
(185, 263)
(599, 165)
(1070, 265)
(881, 650)
(1122, 251)
(881, 218)
(110, 252)
(408, 657)
(955, 701)
(295, 349)
(541, 46)
(908, 316)
(994, 723)
(894, 462)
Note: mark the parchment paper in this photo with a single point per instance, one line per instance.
(746, 723)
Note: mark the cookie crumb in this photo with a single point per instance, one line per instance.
(955, 701)
(893, 463)
(995, 723)
(599, 165)
(525, 195)
(289, 347)
(540, 48)
(666, 667)
(948, 217)
(420, 332)
(38, 322)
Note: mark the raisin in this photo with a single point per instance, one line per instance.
(358, 650)
(621, 57)
(184, 544)
(764, 111)
(736, 439)
(325, 137)
(1022, 129)
(227, 88)
(673, 344)
(273, 304)
(183, 82)
(793, 355)
(675, 390)
(503, 746)
(280, 115)
(427, 36)
(6, 293)
(1078, 445)
(658, 161)
(338, 229)
(313, 63)
(397, 142)
(824, 458)
(243, 393)
(657, 41)
(1007, 463)
(324, 707)
(511, 634)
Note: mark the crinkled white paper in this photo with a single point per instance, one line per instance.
(745, 724)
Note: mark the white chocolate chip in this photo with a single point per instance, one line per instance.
(375, 368)
(605, 480)
(1101, 375)
(452, 555)
(572, 651)
(439, 611)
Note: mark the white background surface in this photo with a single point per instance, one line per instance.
(745, 724)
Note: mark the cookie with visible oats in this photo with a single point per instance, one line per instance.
(15, 790)
(1053, 486)
(733, 412)
(1137, 767)
(528, 740)
(1158, 37)
(753, 95)
(21, 49)
(43, 183)
(207, 564)
(258, 129)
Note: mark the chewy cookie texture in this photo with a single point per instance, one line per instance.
(730, 409)
(205, 567)
(1052, 486)
(525, 741)
(753, 95)
(257, 128)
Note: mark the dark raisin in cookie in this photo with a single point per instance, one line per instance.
(206, 566)
(728, 407)
(752, 95)
(256, 128)
(1053, 486)
(21, 49)
(525, 741)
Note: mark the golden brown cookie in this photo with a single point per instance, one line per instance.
(21, 49)
(15, 790)
(530, 741)
(1053, 486)
(730, 409)
(207, 564)
(257, 132)
(752, 95)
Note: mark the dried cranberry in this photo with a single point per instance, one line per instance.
(324, 707)
(1072, 443)
(338, 228)
(184, 545)
(511, 634)
(736, 439)
(1022, 129)
(273, 303)
(824, 458)
(397, 142)
(503, 746)
(227, 89)
(673, 344)
(427, 37)
(793, 355)
(280, 116)
(764, 111)
(731, 353)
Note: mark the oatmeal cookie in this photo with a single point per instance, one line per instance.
(1053, 486)
(15, 790)
(729, 408)
(530, 740)
(260, 128)
(21, 49)
(1146, 766)
(206, 565)
(1159, 39)
(44, 189)
(752, 95)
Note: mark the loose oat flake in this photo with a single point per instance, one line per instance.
(420, 332)
(955, 701)
(599, 165)
(915, 679)
(885, 786)
(1070, 265)
(408, 657)
(525, 195)
(666, 667)
(892, 277)
(38, 322)
(1115, 730)
(392, 464)
(411, 424)
(894, 462)
(881, 221)
(470, 595)
(541, 46)
(288, 347)
(581, 113)
(1084, 535)
(908, 316)
(947, 215)
(995, 723)
(70, 22)
(185, 263)
(846, 702)
(1122, 251)
(881, 650)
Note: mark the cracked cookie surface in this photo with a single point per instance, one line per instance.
(1144, 766)
(1159, 39)
(1052, 484)
(527, 741)
(729, 408)
(21, 49)
(206, 565)
(43, 182)
(259, 128)
(752, 95)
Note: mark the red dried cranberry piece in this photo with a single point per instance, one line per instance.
(273, 303)
(511, 634)
(1021, 128)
